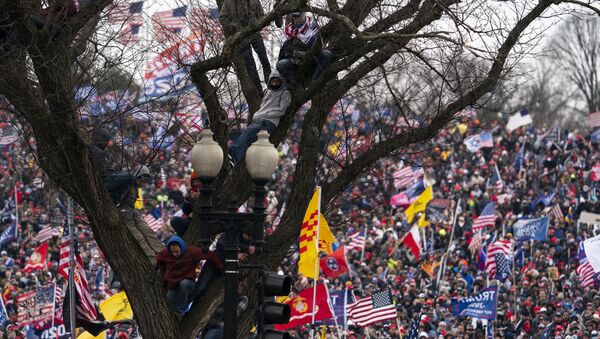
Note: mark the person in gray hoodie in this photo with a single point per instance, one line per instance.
(275, 102)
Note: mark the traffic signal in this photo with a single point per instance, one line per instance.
(271, 284)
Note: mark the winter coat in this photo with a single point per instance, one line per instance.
(234, 17)
(173, 270)
(274, 103)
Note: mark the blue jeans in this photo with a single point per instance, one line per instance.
(288, 68)
(248, 136)
(180, 297)
(214, 333)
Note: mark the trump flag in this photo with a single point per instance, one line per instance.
(531, 229)
(481, 306)
(335, 264)
(301, 308)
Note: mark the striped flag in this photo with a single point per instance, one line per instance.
(166, 23)
(154, 223)
(486, 218)
(585, 269)
(475, 244)
(84, 307)
(556, 212)
(496, 180)
(357, 241)
(593, 120)
(130, 13)
(46, 233)
(406, 176)
(375, 308)
(503, 247)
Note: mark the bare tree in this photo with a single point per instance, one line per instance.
(576, 51)
(410, 44)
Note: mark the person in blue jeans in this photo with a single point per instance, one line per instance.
(275, 102)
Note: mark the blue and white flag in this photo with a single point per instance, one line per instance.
(503, 266)
(519, 119)
(478, 141)
(3, 313)
(481, 306)
(9, 234)
(531, 229)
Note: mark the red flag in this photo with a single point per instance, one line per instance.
(335, 264)
(412, 240)
(37, 259)
(301, 308)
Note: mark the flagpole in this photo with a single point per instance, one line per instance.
(454, 218)
(362, 251)
(16, 214)
(71, 267)
(316, 276)
(53, 307)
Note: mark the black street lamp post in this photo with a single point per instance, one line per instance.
(261, 161)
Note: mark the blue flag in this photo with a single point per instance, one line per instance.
(519, 159)
(595, 136)
(519, 256)
(531, 229)
(503, 266)
(413, 333)
(481, 259)
(3, 314)
(415, 190)
(338, 305)
(481, 306)
(545, 199)
(9, 234)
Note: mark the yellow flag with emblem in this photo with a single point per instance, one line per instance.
(420, 204)
(314, 226)
(116, 307)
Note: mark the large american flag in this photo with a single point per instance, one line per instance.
(166, 23)
(154, 223)
(85, 308)
(369, 310)
(585, 269)
(475, 244)
(357, 241)
(486, 218)
(46, 232)
(130, 13)
(406, 176)
(503, 247)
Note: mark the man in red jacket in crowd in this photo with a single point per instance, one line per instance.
(177, 263)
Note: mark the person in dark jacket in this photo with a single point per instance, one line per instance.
(301, 33)
(177, 264)
(273, 106)
(233, 17)
(181, 223)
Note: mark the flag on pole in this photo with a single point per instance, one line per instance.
(475, 244)
(128, 12)
(406, 175)
(593, 120)
(84, 306)
(412, 240)
(357, 241)
(475, 142)
(503, 266)
(503, 247)
(166, 23)
(519, 119)
(375, 308)
(420, 204)
(314, 226)
(38, 259)
(496, 180)
(302, 305)
(3, 313)
(335, 264)
(486, 218)
(483, 305)
(556, 212)
(9, 234)
(154, 223)
(46, 233)
(519, 159)
(531, 229)
(339, 300)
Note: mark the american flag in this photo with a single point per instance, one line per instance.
(36, 306)
(154, 223)
(377, 307)
(129, 35)
(475, 244)
(166, 23)
(85, 308)
(486, 218)
(206, 21)
(503, 247)
(46, 232)
(413, 333)
(357, 241)
(585, 269)
(496, 179)
(593, 120)
(556, 212)
(406, 175)
(503, 266)
(130, 13)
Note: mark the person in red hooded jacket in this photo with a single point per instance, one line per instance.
(177, 263)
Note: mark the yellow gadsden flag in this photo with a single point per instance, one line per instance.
(313, 226)
(420, 204)
(116, 307)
